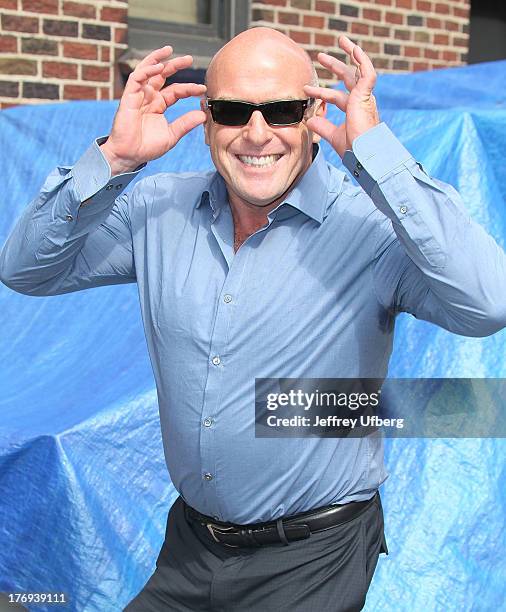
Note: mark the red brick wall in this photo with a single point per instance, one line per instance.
(54, 50)
(398, 35)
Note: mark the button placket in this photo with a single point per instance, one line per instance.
(217, 370)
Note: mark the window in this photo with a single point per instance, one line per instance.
(197, 27)
(171, 11)
(487, 39)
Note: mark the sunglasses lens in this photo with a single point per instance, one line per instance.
(284, 113)
(228, 112)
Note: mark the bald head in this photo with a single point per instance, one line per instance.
(259, 53)
(260, 161)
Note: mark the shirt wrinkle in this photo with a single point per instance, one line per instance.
(301, 298)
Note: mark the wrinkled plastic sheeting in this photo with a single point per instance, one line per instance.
(471, 87)
(84, 490)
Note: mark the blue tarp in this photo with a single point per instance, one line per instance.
(84, 491)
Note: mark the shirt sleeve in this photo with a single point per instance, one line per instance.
(75, 234)
(432, 260)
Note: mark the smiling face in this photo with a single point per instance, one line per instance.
(259, 162)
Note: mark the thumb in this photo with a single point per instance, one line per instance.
(184, 124)
(334, 135)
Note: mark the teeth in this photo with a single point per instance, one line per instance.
(261, 161)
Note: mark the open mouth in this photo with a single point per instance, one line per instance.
(259, 161)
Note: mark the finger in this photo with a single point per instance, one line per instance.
(177, 91)
(177, 63)
(156, 56)
(353, 74)
(343, 72)
(149, 94)
(347, 45)
(366, 73)
(334, 96)
(184, 124)
(367, 79)
(170, 68)
(326, 129)
(140, 77)
(333, 64)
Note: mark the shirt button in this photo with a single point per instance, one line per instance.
(359, 166)
(227, 298)
(208, 476)
(356, 173)
(403, 209)
(208, 421)
(216, 360)
(69, 218)
(119, 186)
(109, 187)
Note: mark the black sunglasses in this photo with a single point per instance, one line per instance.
(279, 112)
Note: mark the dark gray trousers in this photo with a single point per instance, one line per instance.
(328, 572)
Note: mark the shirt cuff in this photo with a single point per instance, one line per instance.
(375, 154)
(92, 177)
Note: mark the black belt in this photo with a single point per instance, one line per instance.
(297, 527)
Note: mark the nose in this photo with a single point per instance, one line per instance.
(257, 130)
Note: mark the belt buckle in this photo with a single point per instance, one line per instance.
(223, 530)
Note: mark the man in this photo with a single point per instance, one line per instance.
(275, 266)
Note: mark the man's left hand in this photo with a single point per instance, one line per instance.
(359, 104)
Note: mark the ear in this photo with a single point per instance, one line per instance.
(206, 124)
(321, 111)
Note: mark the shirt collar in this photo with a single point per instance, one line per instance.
(309, 194)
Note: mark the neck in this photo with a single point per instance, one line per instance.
(249, 218)
(248, 215)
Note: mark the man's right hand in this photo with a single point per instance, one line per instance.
(140, 131)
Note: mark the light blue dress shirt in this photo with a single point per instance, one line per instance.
(314, 293)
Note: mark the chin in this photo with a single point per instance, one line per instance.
(260, 194)
(264, 200)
